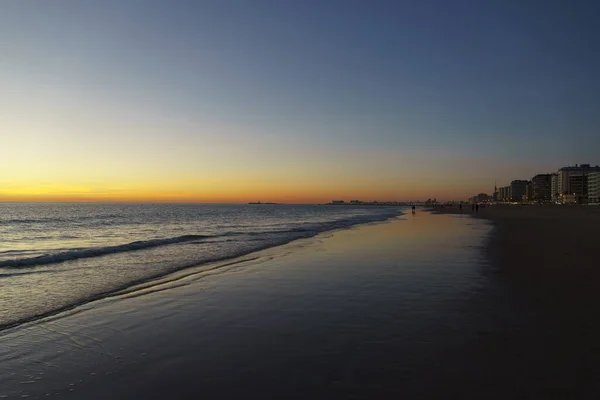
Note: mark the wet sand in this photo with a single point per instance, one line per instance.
(548, 257)
(407, 309)
(552, 248)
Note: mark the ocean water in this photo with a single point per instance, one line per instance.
(393, 310)
(56, 256)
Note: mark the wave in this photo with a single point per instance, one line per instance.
(16, 221)
(163, 277)
(28, 221)
(274, 238)
(130, 289)
(96, 251)
(15, 251)
(318, 227)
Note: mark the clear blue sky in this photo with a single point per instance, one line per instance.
(304, 100)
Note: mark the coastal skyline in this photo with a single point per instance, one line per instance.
(298, 102)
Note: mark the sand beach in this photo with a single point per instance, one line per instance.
(550, 249)
(419, 307)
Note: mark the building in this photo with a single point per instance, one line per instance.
(564, 182)
(518, 189)
(338, 202)
(541, 188)
(594, 188)
(554, 192)
(504, 193)
(578, 186)
(508, 193)
(528, 196)
(482, 198)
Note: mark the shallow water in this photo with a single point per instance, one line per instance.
(56, 256)
(394, 309)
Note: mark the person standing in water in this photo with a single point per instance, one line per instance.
(413, 210)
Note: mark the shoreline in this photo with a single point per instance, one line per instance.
(157, 278)
(348, 313)
(548, 255)
(541, 241)
(408, 308)
(545, 257)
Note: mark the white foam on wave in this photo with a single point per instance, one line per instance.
(95, 252)
(119, 271)
(269, 239)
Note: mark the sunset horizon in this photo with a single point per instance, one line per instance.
(217, 102)
(299, 199)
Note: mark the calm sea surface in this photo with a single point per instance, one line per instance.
(55, 256)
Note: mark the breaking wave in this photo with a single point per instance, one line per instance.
(274, 238)
(96, 251)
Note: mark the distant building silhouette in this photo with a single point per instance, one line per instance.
(483, 197)
(594, 187)
(578, 184)
(528, 193)
(518, 189)
(503, 194)
(572, 183)
(554, 190)
(507, 194)
(541, 188)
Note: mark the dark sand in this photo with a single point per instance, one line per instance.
(554, 251)
(409, 309)
(548, 257)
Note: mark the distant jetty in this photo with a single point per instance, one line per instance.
(258, 202)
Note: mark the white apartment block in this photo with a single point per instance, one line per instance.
(564, 180)
(594, 187)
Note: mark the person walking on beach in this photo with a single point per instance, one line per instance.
(460, 207)
(476, 207)
(472, 207)
(413, 210)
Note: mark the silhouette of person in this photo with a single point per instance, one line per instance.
(472, 207)
(460, 207)
(476, 207)
(413, 209)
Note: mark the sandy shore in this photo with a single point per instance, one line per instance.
(548, 257)
(361, 313)
(407, 309)
(553, 248)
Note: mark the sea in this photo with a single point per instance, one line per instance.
(56, 256)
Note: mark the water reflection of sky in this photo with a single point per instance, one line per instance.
(389, 305)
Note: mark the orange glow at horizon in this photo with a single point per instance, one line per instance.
(223, 193)
(112, 168)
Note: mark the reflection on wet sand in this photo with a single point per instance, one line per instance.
(408, 308)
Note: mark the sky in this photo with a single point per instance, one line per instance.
(292, 101)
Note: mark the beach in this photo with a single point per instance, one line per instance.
(548, 257)
(251, 200)
(420, 306)
(550, 250)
